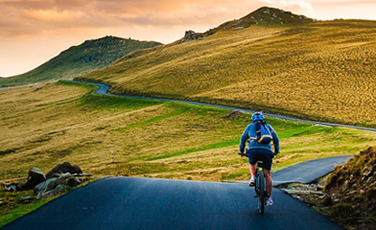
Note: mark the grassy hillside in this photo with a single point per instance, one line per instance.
(89, 56)
(320, 70)
(65, 122)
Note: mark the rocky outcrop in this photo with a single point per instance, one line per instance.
(190, 35)
(42, 186)
(358, 175)
(52, 192)
(352, 189)
(35, 176)
(58, 179)
(53, 186)
(60, 169)
(349, 194)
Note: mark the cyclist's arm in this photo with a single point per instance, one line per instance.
(275, 141)
(243, 140)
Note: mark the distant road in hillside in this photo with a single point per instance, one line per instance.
(103, 90)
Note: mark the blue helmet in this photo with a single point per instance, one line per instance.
(257, 116)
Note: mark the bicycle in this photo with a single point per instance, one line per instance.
(260, 187)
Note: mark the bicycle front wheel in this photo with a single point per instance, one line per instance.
(261, 184)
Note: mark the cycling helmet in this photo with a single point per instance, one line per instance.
(257, 116)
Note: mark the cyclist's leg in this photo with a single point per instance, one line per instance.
(268, 160)
(252, 169)
(252, 159)
(269, 182)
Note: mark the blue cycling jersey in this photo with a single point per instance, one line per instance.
(250, 134)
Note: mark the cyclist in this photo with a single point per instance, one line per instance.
(259, 152)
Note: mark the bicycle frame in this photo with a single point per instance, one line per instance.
(260, 187)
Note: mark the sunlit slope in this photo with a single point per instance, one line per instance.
(65, 122)
(323, 70)
(86, 57)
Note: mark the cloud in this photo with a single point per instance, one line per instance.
(302, 4)
(32, 17)
(53, 15)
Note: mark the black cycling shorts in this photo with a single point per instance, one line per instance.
(263, 155)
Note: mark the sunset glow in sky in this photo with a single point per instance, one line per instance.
(34, 31)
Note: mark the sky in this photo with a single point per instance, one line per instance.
(34, 31)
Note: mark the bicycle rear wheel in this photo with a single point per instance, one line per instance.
(261, 197)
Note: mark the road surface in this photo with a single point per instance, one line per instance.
(309, 171)
(305, 172)
(145, 203)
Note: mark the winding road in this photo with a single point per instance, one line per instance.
(146, 203)
(103, 90)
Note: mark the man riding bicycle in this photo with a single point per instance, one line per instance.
(259, 151)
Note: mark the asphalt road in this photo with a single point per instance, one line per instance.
(103, 90)
(308, 171)
(144, 203)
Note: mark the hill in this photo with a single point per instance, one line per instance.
(317, 70)
(89, 56)
(264, 16)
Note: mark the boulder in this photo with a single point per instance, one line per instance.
(65, 176)
(51, 193)
(74, 181)
(63, 168)
(53, 184)
(50, 188)
(42, 186)
(35, 177)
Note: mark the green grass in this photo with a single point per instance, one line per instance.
(219, 145)
(19, 212)
(101, 102)
(77, 84)
(12, 209)
(67, 122)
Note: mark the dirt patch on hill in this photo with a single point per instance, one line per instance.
(232, 114)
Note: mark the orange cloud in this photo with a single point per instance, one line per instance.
(53, 15)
